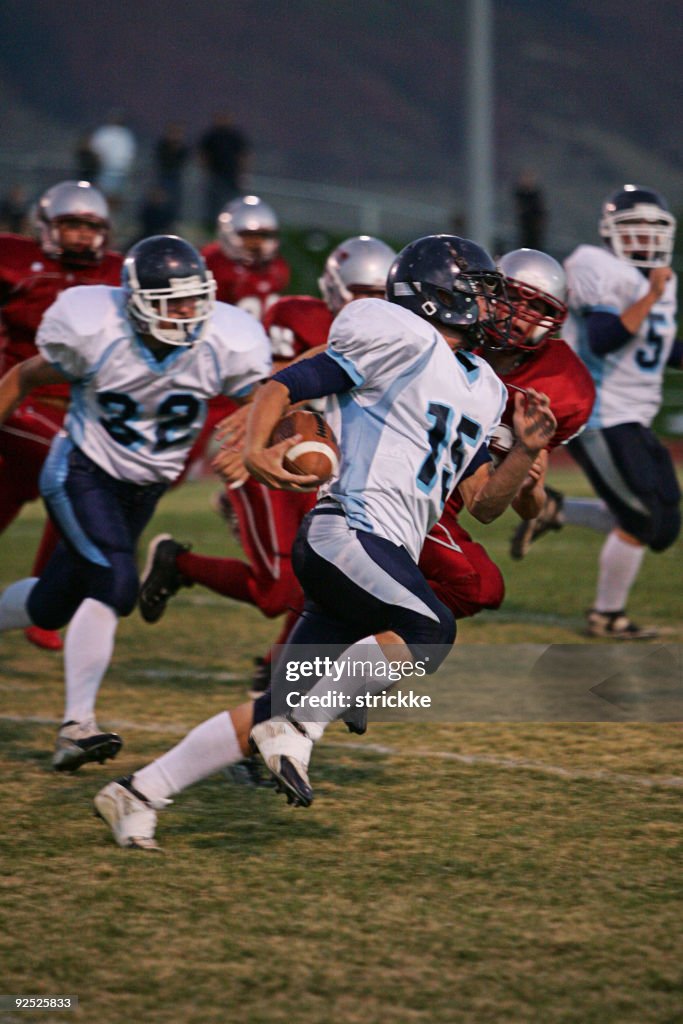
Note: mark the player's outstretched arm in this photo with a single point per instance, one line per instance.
(18, 382)
(488, 492)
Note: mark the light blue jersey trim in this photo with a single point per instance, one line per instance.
(52, 487)
(346, 365)
(158, 366)
(365, 425)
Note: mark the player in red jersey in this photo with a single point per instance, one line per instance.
(458, 569)
(73, 226)
(267, 519)
(249, 271)
(245, 258)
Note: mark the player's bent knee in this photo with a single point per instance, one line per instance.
(118, 586)
(667, 530)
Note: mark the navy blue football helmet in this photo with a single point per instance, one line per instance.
(158, 271)
(638, 226)
(452, 282)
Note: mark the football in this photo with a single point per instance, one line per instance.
(316, 453)
(500, 443)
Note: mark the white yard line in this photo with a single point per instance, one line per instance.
(471, 760)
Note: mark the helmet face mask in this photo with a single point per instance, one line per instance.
(356, 268)
(249, 232)
(638, 227)
(72, 204)
(453, 283)
(170, 293)
(537, 292)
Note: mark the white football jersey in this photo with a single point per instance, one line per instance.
(628, 381)
(135, 416)
(411, 425)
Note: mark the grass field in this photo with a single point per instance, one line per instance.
(446, 873)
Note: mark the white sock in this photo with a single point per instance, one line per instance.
(589, 512)
(88, 647)
(208, 748)
(619, 565)
(13, 614)
(347, 683)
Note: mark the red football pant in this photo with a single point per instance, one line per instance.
(25, 439)
(459, 571)
(268, 523)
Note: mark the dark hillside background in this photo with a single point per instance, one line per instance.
(367, 95)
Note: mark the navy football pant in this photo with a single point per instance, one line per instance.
(358, 584)
(100, 520)
(633, 473)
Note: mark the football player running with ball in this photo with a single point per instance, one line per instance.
(412, 409)
(142, 360)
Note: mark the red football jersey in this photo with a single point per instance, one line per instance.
(251, 288)
(559, 373)
(308, 319)
(30, 281)
(562, 376)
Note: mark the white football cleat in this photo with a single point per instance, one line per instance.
(130, 815)
(80, 742)
(286, 751)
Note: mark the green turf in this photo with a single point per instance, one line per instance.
(446, 873)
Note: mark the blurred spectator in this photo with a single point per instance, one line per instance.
(531, 212)
(87, 161)
(170, 155)
(14, 210)
(154, 215)
(223, 151)
(114, 146)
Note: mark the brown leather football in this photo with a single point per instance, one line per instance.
(317, 453)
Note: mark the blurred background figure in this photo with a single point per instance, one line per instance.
(86, 160)
(14, 209)
(223, 152)
(155, 214)
(115, 147)
(530, 210)
(170, 156)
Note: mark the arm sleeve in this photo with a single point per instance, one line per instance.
(481, 457)
(313, 378)
(606, 332)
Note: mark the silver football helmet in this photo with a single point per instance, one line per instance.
(537, 292)
(249, 231)
(359, 264)
(638, 226)
(72, 200)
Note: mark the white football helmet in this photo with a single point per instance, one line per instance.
(537, 292)
(72, 200)
(638, 226)
(359, 264)
(248, 231)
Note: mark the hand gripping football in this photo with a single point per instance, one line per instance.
(317, 453)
